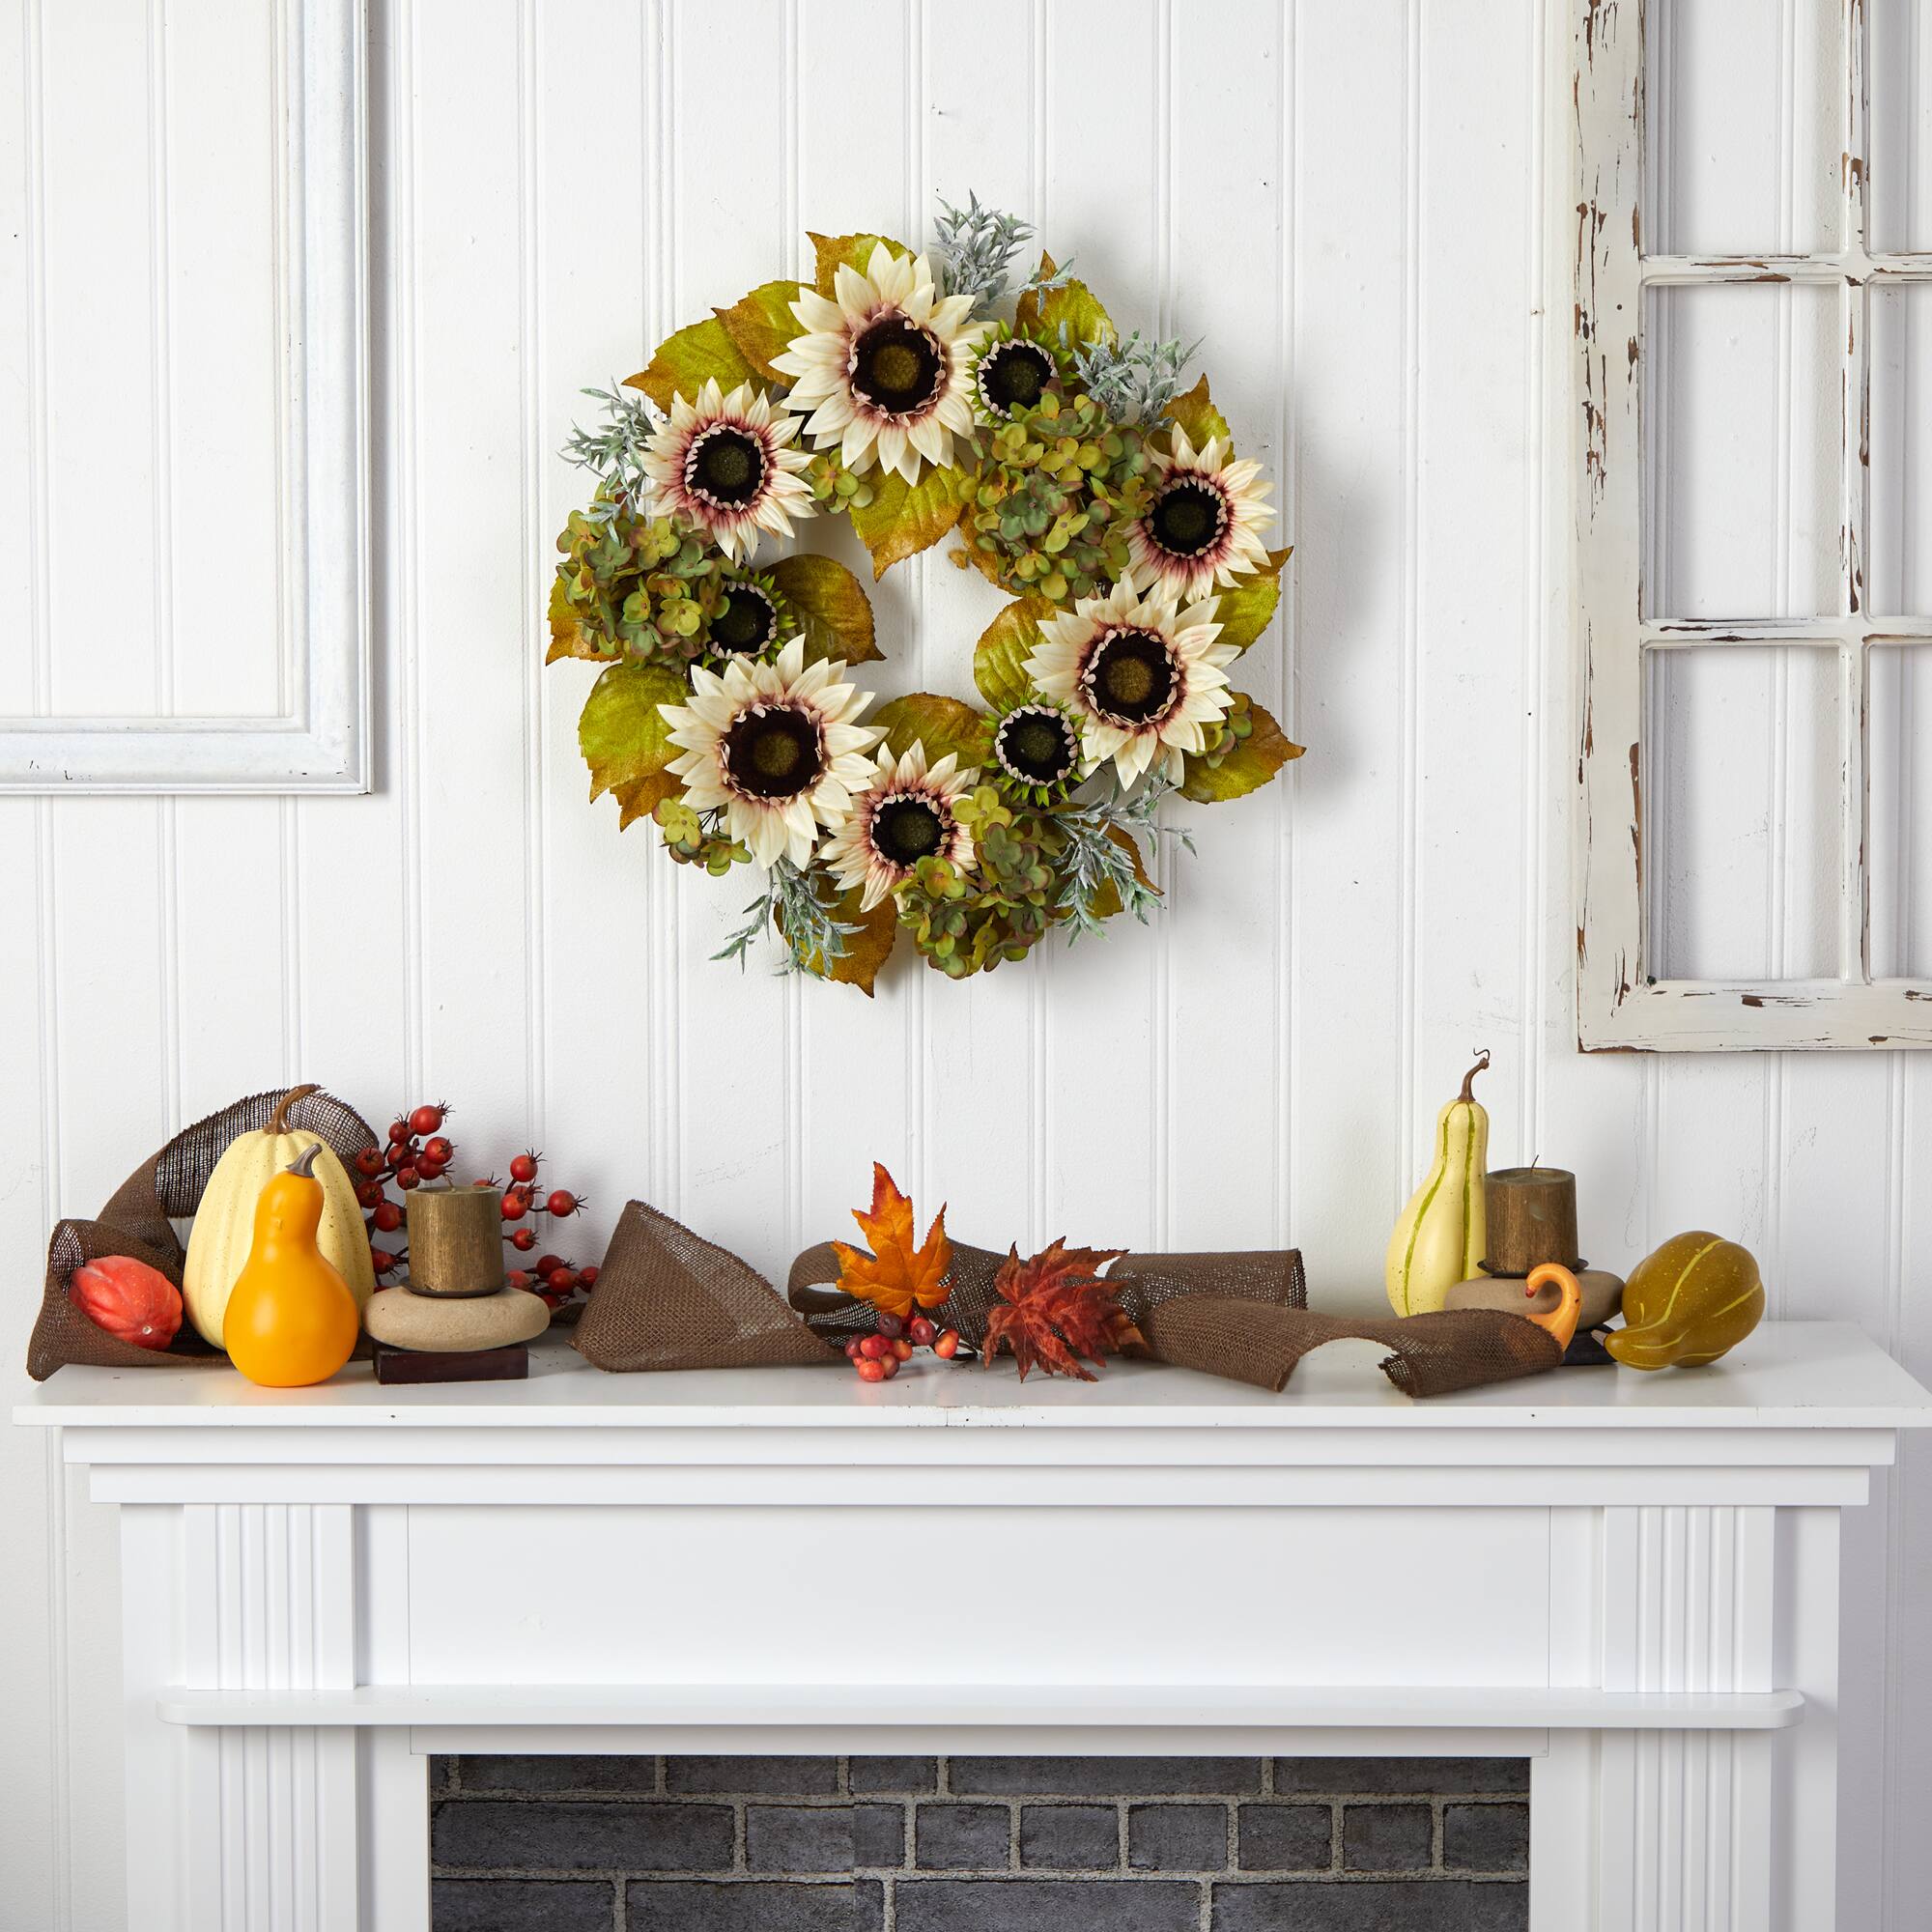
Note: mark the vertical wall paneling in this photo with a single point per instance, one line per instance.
(1352, 205)
(1109, 203)
(1225, 88)
(980, 132)
(861, 1061)
(1351, 1148)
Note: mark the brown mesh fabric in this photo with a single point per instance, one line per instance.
(1144, 1281)
(1432, 1354)
(667, 1299)
(137, 1222)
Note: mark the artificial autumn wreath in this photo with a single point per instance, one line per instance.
(1074, 473)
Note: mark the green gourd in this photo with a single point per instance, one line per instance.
(1697, 1297)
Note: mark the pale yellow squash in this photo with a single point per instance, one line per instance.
(224, 1224)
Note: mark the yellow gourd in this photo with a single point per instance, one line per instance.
(1695, 1298)
(1443, 1232)
(219, 1242)
(291, 1317)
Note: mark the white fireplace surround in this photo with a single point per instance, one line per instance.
(1631, 1580)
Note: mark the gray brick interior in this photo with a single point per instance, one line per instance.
(980, 1844)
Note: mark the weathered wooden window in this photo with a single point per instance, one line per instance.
(1747, 204)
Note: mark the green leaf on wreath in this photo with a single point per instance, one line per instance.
(942, 724)
(1197, 415)
(625, 739)
(1107, 900)
(684, 361)
(568, 637)
(1074, 304)
(999, 660)
(831, 604)
(903, 518)
(854, 251)
(761, 325)
(1247, 604)
(1249, 765)
(867, 949)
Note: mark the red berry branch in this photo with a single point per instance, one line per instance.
(417, 1151)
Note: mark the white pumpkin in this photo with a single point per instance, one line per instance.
(224, 1224)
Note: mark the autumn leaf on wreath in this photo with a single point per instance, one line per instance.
(898, 1273)
(1055, 1308)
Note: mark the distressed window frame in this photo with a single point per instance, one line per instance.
(1621, 1004)
(323, 743)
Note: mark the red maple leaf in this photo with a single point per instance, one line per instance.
(1055, 1309)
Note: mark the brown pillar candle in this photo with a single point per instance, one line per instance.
(456, 1241)
(1532, 1216)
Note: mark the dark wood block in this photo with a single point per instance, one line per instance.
(461, 1365)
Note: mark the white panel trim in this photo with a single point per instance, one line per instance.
(323, 743)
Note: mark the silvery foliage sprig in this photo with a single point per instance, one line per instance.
(615, 452)
(1134, 380)
(977, 246)
(1094, 860)
(804, 922)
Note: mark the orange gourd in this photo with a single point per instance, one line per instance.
(291, 1317)
(1561, 1320)
(129, 1299)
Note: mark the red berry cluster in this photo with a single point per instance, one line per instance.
(877, 1357)
(418, 1151)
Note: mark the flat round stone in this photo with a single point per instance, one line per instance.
(445, 1323)
(1602, 1296)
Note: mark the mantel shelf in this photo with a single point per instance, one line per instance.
(924, 1706)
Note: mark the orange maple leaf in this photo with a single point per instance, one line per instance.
(898, 1273)
(1055, 1309)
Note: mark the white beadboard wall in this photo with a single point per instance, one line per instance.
(1353, 202)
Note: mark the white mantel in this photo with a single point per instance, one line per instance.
(1631, 1579)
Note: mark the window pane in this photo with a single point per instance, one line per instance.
(1901, 562)
(1741, 800)
(1900, 70)
(1900, 708)
(1743, 436)
(1743, 119)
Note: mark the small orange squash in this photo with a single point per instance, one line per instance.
(128, 1299)
(291, 1317)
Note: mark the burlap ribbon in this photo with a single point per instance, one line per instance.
(139, 1221)
(667, 1298)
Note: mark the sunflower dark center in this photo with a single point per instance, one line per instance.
(1015, 375)
(896, 366)
(746, 621)
(1037, 745)
(907, 830)
(1132, 677)
(1188, 518)
(727, 467)
(774, 754)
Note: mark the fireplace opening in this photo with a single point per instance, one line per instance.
(979, 1844)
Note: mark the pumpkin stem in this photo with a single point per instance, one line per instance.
(1468, 1091)
(278, 1120)
(303, 1163)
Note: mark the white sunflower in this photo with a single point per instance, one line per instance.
(904, 815)
(1203, 527)
(774, 747)
(1139, 675)
(726, 466)
(885, 368)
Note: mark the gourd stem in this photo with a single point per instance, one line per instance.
(1468, 1091)
(278, 1120)
(303, 1163)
